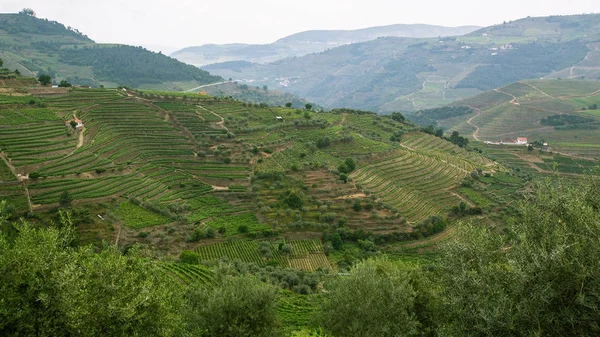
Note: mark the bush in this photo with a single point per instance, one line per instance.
(189, 257)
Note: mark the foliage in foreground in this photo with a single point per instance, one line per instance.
(236, 306)
(378, 298)
(539, 278)
(48, 288)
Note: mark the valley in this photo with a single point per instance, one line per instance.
(305, 188)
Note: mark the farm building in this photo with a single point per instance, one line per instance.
(78, 121)
(510, 141)
(521, 141)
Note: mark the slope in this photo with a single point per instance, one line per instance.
(179, 168)
(35, 46)
(561, 112)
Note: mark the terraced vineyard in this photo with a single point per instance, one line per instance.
(518, 109)
(418, 182)
(306, 254)
(172, 171)
(188, 273)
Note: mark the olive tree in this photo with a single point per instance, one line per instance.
(376, 299)
(48, 288)
(239, 306)
(540, 279)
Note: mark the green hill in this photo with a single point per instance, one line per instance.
(406, 74)
(35, 46)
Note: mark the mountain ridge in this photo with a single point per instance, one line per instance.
(307, 42)
(408, 74)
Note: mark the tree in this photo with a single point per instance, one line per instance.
(541, 279)
(64, 84)
(376, 299)
(287, 105)
(45, 79)
(1, 63)
(265, 88)
(308, 106)
(350, 164)
(65, 199)
(189, 257)
(239, 306)
(27, 11)
(57, 290)
(293, 200)
(323, 142)
(398, 117)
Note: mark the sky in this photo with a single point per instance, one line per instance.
(169, 25)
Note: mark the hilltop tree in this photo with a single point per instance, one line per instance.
(45, 79)
(308, 106)
(28, 12)
(1, 63)
(288, 104)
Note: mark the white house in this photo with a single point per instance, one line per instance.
(521, 141)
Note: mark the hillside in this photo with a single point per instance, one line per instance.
(562, 113)
(403, 74)
(153, 162)
(35, 46)
(308, 42)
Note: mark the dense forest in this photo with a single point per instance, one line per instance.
(538, 277)
(134, 66)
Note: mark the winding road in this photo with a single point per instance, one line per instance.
(470, 122)
(206, 85)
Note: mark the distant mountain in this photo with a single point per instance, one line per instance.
(35, 46)
(409, 74)
(308, 42)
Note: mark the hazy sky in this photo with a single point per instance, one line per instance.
(168, 25)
